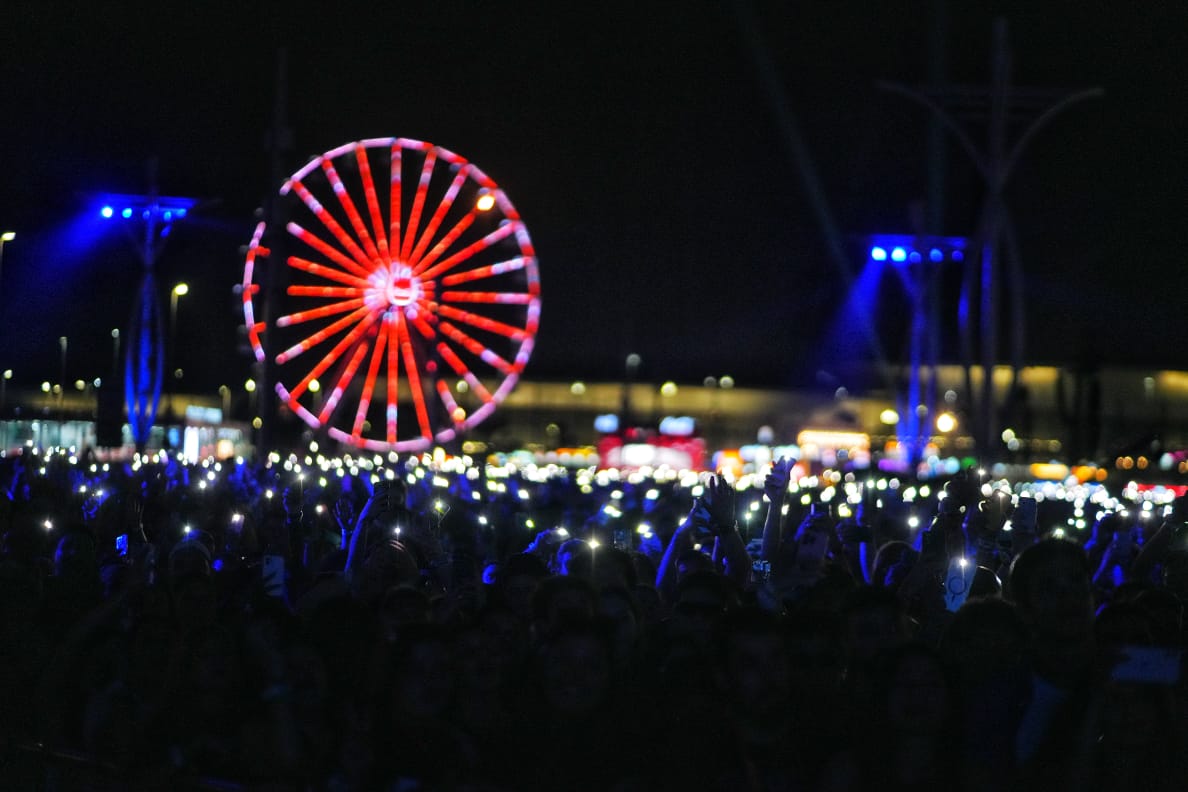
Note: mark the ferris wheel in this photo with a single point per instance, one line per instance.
(407, 284)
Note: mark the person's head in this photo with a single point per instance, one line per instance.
(575, 559)
(986, 638)
(75, 555)
(422, 674)
(574, 669)
(892, 561)
(613, 567)
(517, 580)
(874, 623)
(1051, 585)
(560, 600)
(753, 665)
(918, 701)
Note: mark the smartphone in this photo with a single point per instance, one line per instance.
(1024, 517)
(1148, 665)
(122, 544)
(957, 583)
(273, 573)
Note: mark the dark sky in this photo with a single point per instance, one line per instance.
(639, 141)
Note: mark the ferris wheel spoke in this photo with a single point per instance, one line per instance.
(414, 217)
(478, 273)
(471, 345)
(414, 376)
(447, 399)
(460, 368)
(320, 245)
(348, 374)
(319, 313)
(448, 240)
(465, 253)
(423, 327)
(323, 291)
(331, 224)
(394, 189)
(447, 202)
(377, 357)
(377, 220)
(329, 273)
(483, 323)
(331, 356)
(491, 298)
(348, 206)
(393, 412)
(361, 316)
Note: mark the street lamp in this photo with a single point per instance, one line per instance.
(178, 291)
(7, 236)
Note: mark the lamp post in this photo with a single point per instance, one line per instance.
(178, 291)
(7, 236)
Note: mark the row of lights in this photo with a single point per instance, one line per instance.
(167, 214)
(901, 254)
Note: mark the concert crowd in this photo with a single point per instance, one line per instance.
(444, 624)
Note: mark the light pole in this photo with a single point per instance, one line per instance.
(7, 236)
(178, 291)
(63, 343)
(3, 394)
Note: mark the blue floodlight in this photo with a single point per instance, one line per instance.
(106, 212)
(181, 212)
(168, 216)
(902, 248)
(127, 213)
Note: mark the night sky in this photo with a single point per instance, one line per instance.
(644, 143)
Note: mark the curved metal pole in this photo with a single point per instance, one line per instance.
(1044, 119)
(945, 118)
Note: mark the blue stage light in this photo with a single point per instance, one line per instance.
(181, 212)
(958, 255)
(914, 257)
(898, 254)
(168, 216)
(935, 255)
(107, 212)
(878, 254)
(127, 213)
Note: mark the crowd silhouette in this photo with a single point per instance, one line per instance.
(442, 624)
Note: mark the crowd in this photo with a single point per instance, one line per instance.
(439, 624)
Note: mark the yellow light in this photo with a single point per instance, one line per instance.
(946, 422)
(250, 386)
(485, 203)
(889, 417)
(181, 289)
(314, 386)
(668, 389)
(7, 236)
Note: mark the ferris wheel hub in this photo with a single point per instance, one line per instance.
(393, 286)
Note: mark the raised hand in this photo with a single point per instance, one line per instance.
(776, 483)
(719, 500)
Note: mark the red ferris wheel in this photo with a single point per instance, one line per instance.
(408, 283)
